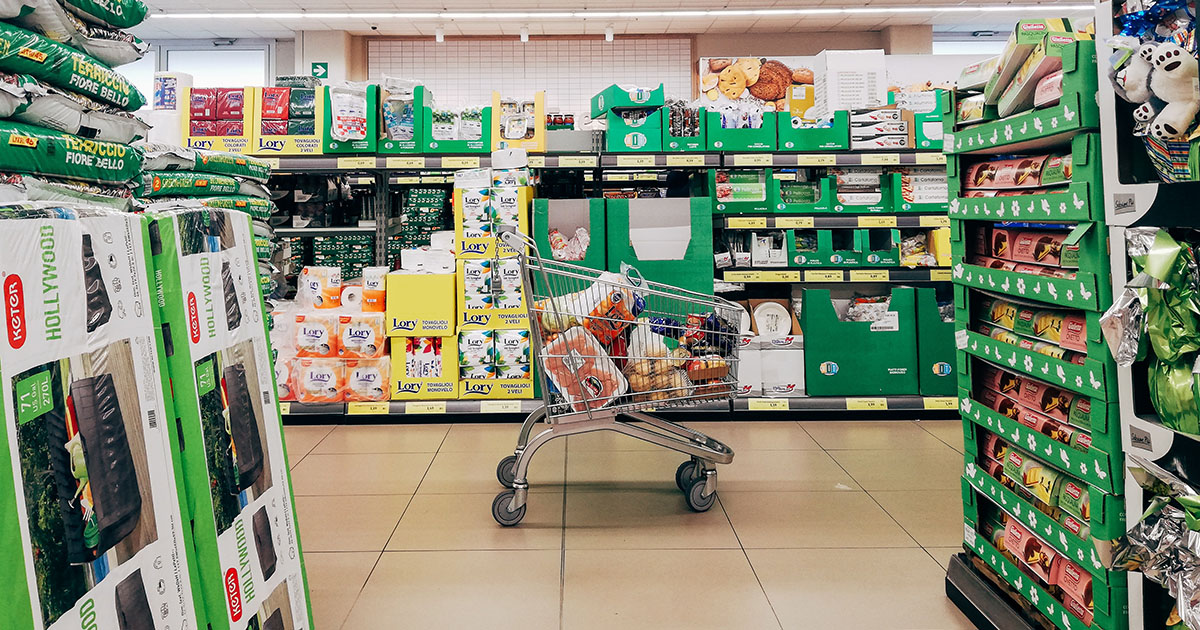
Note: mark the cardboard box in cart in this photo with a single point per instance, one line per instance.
(668, 240)
(87, 411)
(235, 466)
(859, 358)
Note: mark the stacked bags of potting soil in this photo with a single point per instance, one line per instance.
(175, 176)
(65, 114)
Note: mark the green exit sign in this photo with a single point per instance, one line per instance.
(320, 69)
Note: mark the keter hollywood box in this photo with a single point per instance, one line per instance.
(668, 240)
(94, 531)
(235, 469)
(859, 358)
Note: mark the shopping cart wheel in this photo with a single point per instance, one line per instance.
(685, 474)
(506, 471)
(695, 496)
(500, 510)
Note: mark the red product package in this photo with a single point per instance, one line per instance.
(581, 369)
(998, 380)
(230, 128)
(999, 403)
(1002, 242)
(275, 103)
(203, 104)
(203, 127)
(274, 127)
(1046, 399)
(1043, 248)
(230, 103)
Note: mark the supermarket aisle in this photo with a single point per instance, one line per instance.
(820, 525)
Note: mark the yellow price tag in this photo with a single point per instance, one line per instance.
(823, 276)
(759, 159)
(537, 161)
(645, 177)
(635, 160)
(939, 275)
(411, 179)
(460, 161)
(743, 276)
(578, 161)
(272, 162)
(794, 222)
(779, 276)
(433, 179)
(866, 404)
(816, 160)
(935, 220)
(873, 275)
(431, 406)
(685, 160)
(500, 406)
(285, 408)
(619, 177)
(363, 181)
(880, 159)
(884, 221)
(784, 177)
(405, 162)
(587, 177)
(931, 158)
(941, 402)
(356, 162)
(767, 404)
(367, 408)
(746, 223)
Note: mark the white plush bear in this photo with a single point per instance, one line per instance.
(1175, 80)
(1137, 74)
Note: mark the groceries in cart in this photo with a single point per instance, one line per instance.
(618, 340)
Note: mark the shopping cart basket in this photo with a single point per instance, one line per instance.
(612, 347)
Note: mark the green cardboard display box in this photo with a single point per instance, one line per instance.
(668, 240)
(566, 216)
(935, 347)
(644, 137)
(698, 142)
(926, 107)
(740, 191)
(616, 98)
(784, 201)
(482, 144)
(842, 204)
(835, 247)
(99, 538)
(859, 358)
(836, 137)
(765, 138)
(357, 142)
(421, 115)
(235, 466)
(881, 247)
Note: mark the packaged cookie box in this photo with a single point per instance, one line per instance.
(1045, 59)
(991, 446)
(1000, 403)
(998, 380)
(222, 377)
(1025, 37)
(1057, 403)
(220, 119)
(1033, 477)
(1067, 329)
(974, 109)
(1033, 171)
(975, 76)
(1044, 248)
(1055, 430)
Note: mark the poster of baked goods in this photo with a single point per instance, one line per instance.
(763, 80)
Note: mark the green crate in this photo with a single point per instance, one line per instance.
(780, 205)
(369, 144)
(421, 113)
(801, 139)
(674, 245)
(935, 347)
(900, 204)
(928, 126)
(745, 178)
(826, 253)
(764, 138)
(622, 137)
(566, 215)
(616, 98)
(480, 145)
(881, 247)
(883, 206)
(698, 142)
(859, 358)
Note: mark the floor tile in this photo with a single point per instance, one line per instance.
(941, 555)
(698, 590)
(482, 436)
(607, 441)
(301, 438)
(623, 470)
(465, 472)
(948, 431)
(836, 435)
(930, 469)
(811, 519)
(435, 522)
(783, 471)
(851, 589)
(334, 581)
(933, 517)
(758, 436)
(366, 473)
(461, 589)
(643, 520)
(323, 521)
(382, 438)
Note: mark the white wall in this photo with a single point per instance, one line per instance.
(333, 47)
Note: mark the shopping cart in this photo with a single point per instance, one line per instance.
(614, 348)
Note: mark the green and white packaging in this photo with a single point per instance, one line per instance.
(36, 150)
(91, 529)
(26, 52)
(235, 466)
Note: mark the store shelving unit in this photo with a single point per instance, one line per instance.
(1071, 126)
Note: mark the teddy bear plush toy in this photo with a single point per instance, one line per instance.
(1164, 78)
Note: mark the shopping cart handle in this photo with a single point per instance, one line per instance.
(514, 239)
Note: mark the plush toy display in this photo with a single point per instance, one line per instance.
(1162, 77)
(1137, 74)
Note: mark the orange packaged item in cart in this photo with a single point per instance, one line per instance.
(361, 336)
(319, 380)
(367, 379)
(612, 315)
(581, 369)
(316, 335)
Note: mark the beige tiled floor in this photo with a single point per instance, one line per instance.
(821, 525)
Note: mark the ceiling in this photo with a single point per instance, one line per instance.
(944, 15)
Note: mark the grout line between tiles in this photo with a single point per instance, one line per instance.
(562, 552)
(746, 555)
(875, 501)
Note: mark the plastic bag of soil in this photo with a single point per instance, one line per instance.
(28, 149)
(111, 13)
(167, 157)
(26, 52)
(185, 184)
(47, 106)
(51, 19)
(16, 187)
(256, 207)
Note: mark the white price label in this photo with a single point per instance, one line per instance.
(960, 339)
